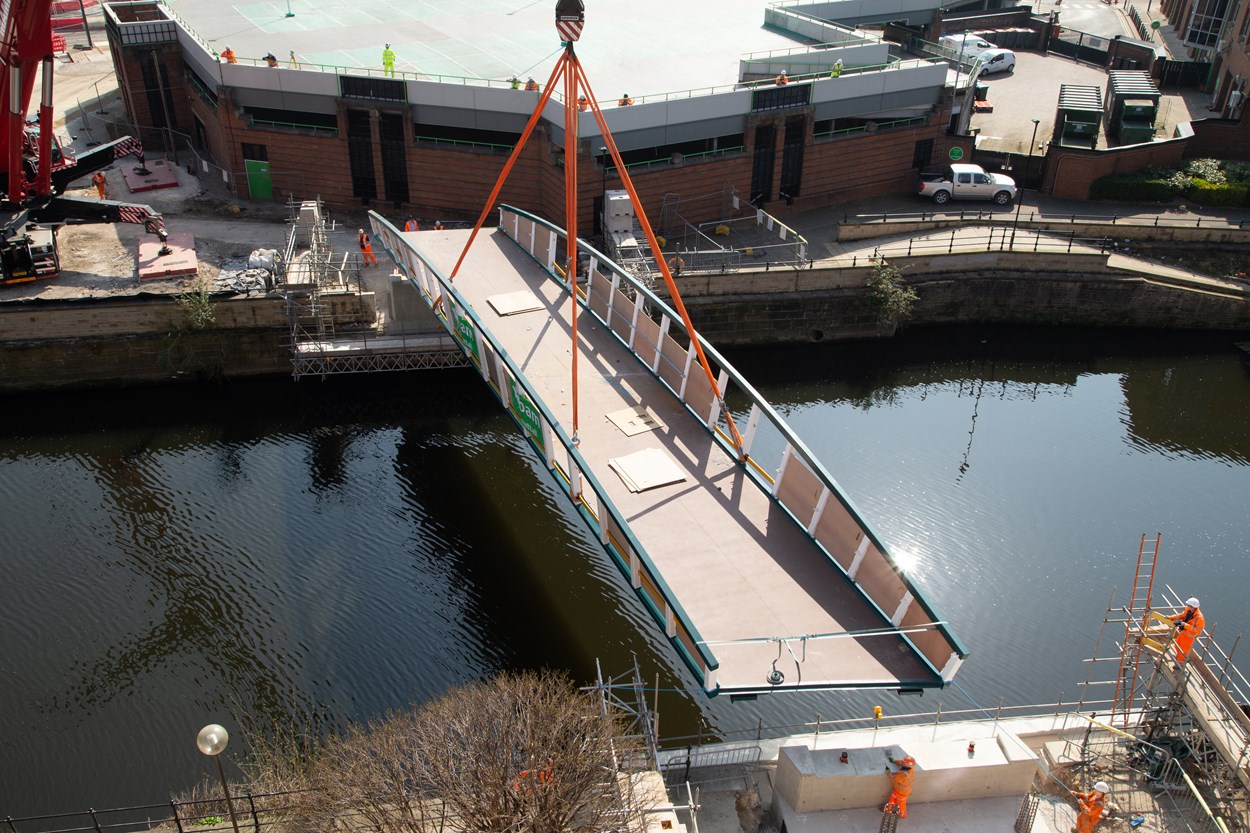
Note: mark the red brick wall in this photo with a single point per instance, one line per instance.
(1220, 139)
(1071, 171)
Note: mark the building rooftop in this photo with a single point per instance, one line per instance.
(641, 47)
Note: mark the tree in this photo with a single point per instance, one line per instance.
(521, 752)
(891, 299)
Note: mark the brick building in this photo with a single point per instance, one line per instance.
(432, 144)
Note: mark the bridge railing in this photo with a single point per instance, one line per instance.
(561, 457)
(777, 460)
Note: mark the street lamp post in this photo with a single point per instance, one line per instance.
(603, 192)
(212, 741)
(1020, 195)
(289, 13)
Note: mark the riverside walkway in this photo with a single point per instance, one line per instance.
(760, 572)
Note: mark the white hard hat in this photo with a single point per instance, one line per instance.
(1102, 787)
(1192, 601)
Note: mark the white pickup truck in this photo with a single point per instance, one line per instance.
(967, 182)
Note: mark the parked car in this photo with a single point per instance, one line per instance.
(967, 182)
(997, 60)
(966, 43)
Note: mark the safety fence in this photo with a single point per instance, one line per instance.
(773, 456)
(737, 236)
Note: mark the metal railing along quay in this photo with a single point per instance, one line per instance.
(1034, 215)
(990, 239)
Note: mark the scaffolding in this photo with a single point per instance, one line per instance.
(1176, 740)
(335, 325)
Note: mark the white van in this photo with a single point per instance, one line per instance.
(966, 43)
(997, 60)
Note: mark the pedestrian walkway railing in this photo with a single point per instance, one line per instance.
(254, 812)
(1058, 711)
(991, 239)
(1038, 215)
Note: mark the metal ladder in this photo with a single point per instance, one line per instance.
(1138, 613)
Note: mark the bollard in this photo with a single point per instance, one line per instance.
(951, 248)
(909, 246)
(1199, 223)
(1156, 221)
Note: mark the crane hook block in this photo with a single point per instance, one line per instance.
(570, 17)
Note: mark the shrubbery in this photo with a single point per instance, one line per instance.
(1205, 181)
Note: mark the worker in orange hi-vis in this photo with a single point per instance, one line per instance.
(100, 180)
(227, 55)
(625, 101)
(583, 103)
(1092, 804)
(366, 248)
(782, 79)
(411, 224)
(1189, 624)
(902, 782)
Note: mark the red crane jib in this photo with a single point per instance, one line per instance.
(25, 43)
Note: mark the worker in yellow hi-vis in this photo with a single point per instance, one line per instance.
(388, 61)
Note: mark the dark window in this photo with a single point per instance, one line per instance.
(201, 134)
(156, 81)
(923, 154)
(207, 90)
(255, 153)
(360, 155)
(792, 159)
(292, 119)
(781, 98)
(374, 89)
(762, 164)
(394, 157)
(598, 209)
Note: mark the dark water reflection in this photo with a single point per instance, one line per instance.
(317, 553)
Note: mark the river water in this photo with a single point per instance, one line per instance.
(314, 553)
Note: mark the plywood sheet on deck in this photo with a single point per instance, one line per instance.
(636, 420)
(647, 469)
(515, 303)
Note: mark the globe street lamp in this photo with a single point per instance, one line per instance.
(1020, 195)
(212, 741)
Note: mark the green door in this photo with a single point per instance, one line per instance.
(259, 185)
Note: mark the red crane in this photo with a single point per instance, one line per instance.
(36, 169)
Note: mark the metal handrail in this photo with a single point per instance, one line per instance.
(667, 160)
(762, 409)
(271, 123)
(455, 142)
(1037, 215)
(934, 718)
(884, 125)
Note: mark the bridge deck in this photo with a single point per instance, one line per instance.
(740, 567)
